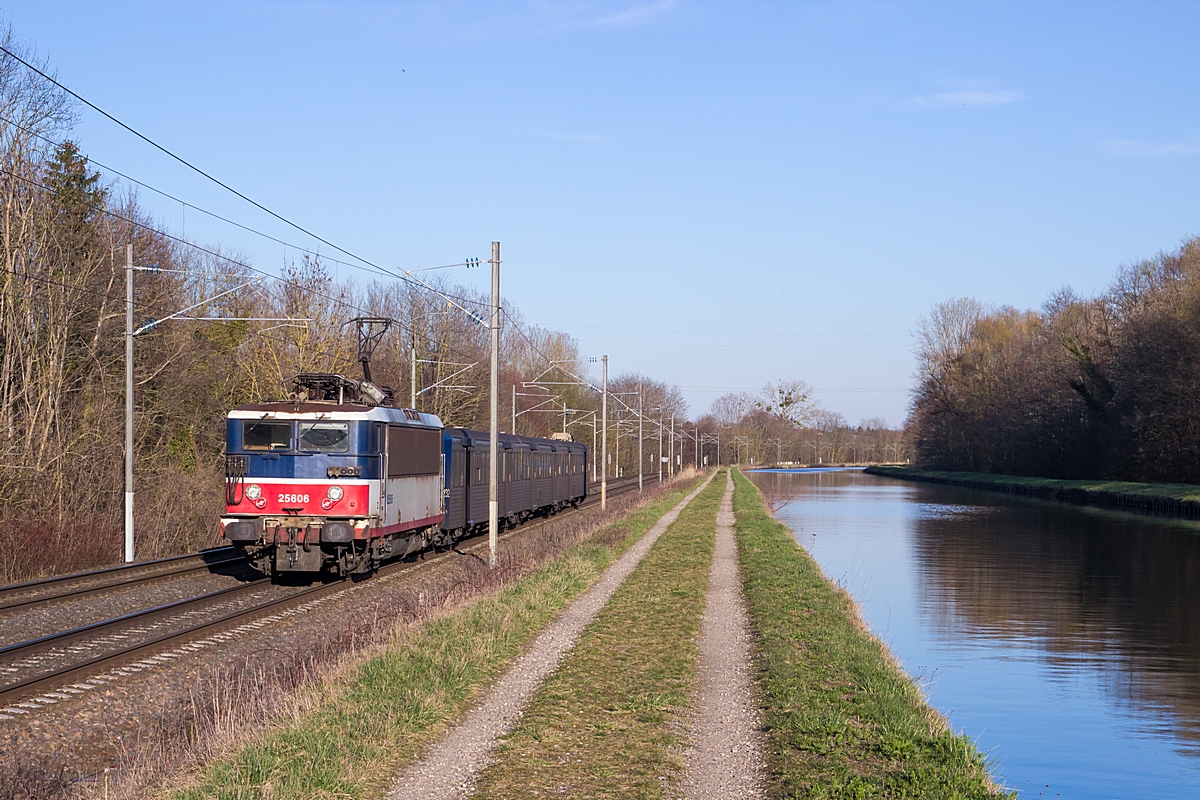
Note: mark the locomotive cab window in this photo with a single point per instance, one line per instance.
(266, 435)
(325, 437)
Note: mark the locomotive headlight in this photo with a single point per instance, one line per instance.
(253, 492)
(334, 493)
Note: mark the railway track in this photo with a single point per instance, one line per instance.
(27, 656)
(101, 581)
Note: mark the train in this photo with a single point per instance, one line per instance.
(338, 479)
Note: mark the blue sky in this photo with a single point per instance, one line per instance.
(713, 194)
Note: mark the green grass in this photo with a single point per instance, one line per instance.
(609, 722)
(843, 720)
(365, 731)
(1182, 492)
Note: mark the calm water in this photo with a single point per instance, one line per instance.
(1065, 640)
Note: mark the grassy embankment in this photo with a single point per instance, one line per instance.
(843, 720)
(610, 722)
(367, 728)
(1161, 498)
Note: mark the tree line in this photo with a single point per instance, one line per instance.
(784, 423)
(1106, 387)
(64, 229)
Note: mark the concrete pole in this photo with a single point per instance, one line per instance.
(128, 402)
(493, 445)
(514, 409)
(671, 462)
(641, 460)
(593, 447)
(660, 430)
(412, 398)
(604, 440)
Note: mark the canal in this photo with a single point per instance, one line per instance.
(1064, 640)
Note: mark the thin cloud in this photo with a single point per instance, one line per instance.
(632, 17)
(588, 15)
(972, 97)
(1128, 148)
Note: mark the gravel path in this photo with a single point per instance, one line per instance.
(450, 767)
(725, 757)
(125, 716)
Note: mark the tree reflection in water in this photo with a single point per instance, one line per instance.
(1116, 590)
(1066, 638)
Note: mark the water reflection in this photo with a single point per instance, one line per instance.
(1065, 637)
(1109, 592)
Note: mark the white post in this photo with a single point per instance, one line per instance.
(671, 463)
(641, 460)
(660, 429)
(604, 441)
(128, 402)
(493, 445)
(412, 398)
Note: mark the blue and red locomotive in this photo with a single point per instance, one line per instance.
(338, 479)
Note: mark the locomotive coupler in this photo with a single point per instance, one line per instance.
(291, 547)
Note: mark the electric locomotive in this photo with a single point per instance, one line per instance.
(336, 478)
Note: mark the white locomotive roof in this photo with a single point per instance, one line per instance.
(344, 412)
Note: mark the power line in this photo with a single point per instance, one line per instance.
(247, 228)
(744, 346)
(121, 299)
(180, 159)
(99, 206)
(550, 362)
(744, 333)
(721, 324)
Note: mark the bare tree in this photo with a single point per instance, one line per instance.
(789, 401)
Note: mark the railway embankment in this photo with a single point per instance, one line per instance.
(842, 718)
(350, 733)
(1171, 499)
(191, 701)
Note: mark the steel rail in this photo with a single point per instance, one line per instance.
(121, 576)
(83, 632)
(35, 684)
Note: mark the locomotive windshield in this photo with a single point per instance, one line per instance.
(266, 435)
(325, 437)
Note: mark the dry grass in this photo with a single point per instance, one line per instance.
(176, 513)
(609, 722)
(236, 709)
(843, 720)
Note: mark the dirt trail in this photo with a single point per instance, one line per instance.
(450, 767)
(725, 757)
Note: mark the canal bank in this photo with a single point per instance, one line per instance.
(842, 717)
(1176, 499)
(1060, 638)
